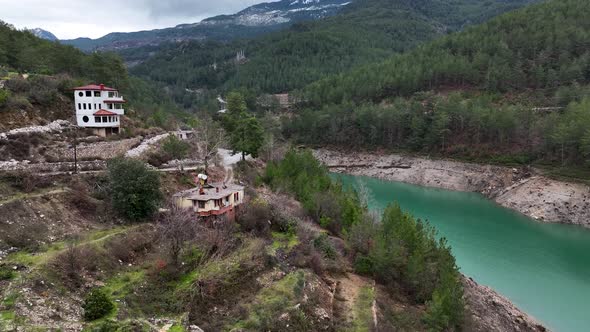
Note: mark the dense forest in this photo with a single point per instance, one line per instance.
(364, 32)
(539, 47)
(462, 125)
(513, 90)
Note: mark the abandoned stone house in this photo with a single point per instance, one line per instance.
(214, 200)
(183, 134)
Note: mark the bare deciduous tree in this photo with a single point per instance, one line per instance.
(178, 227)
(216, 240)
(209, 137)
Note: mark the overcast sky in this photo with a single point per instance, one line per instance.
(83, 18)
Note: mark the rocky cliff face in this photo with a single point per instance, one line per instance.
(523, 190)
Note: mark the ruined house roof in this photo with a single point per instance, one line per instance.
(210, 192)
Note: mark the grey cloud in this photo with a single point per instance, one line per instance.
(85, 18)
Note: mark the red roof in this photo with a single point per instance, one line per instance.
(104, 112)
(95, 87)
(115, 101)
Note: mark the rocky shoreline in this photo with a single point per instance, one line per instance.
(490, 311)
(520, 189)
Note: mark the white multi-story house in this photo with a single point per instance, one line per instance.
(99, 107)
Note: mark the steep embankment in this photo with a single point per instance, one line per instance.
(523, 190)
(490, 311)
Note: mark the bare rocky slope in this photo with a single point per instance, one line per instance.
(521, 189)
(490, 311)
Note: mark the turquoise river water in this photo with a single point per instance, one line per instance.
(542, 268)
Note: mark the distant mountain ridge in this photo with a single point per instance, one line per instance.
(43, 34)
(280, 12)
(363, 32)
(252, 21)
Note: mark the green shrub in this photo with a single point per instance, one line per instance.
(135, 190)
(363, 265)
(323, 244)
(97, 304)
(106, 326)
(446, 307)
(4, 94)
(18, 103)
(175, 148)
(18, 85)
(6, 273)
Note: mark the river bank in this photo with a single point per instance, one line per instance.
(490, 311)
(520, 189)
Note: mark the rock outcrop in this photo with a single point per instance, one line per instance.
(488, 311)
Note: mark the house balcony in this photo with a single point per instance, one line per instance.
(221, 211)
(119, 111)
(102, 124)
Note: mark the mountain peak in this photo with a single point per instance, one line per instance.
(43, 34)
(280, 12)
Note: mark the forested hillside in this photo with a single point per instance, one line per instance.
(540, 47)
(365, 31)
(54, 69)
(511, 90)
(23, 52)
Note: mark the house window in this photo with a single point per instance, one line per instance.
(84, 104)
(236, 197)
(97, 119)
(85, 118)
(79, 106)
(99, 106)
(81, 94)
(88, 93)
(227, 199)
(97, 93)
(111, 94)
(117, 106)
(201, 204)
(104, 119)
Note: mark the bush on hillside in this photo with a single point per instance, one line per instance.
(158, 158)
(97, 304)
(256, 217)
(4, 94)
(175, 148)
(43, 91)
(302, 175)
(134, 189)
(18, 85)
(18, 103)
(6, 273)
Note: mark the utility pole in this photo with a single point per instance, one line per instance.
(75, 150)
(75, 155)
